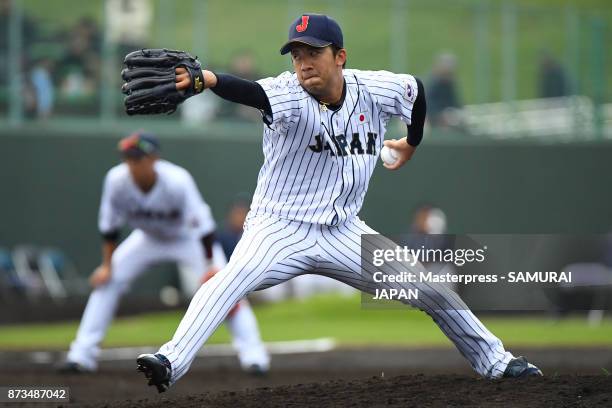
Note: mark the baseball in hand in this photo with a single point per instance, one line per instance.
(389, 155)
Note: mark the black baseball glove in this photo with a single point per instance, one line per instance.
(150, 84)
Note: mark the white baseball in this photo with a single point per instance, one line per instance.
(389, 155)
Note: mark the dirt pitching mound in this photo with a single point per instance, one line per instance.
(414, 390)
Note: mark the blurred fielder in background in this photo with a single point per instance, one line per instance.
(171, 222)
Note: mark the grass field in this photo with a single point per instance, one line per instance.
(340, 318)
(419, 29)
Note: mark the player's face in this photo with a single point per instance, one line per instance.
(317, 68)
(142, 170)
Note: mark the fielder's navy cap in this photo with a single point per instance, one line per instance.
(316, 30)
(139, 144)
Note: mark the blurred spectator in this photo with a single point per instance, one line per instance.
(78, 69)
(28, 34)
(42, 87)
(128, 24)
(552, 80)
(428, 230)
(429, 219)
(5, 11)
(28, 37)
(442, 97)
(243, 65)
(234, 221)
(87, 29)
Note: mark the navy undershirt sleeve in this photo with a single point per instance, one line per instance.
(419, 109)
(242, 91)
(250, 93)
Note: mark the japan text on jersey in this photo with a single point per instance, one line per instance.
(318, 161)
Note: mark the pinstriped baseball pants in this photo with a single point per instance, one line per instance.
(273, 250)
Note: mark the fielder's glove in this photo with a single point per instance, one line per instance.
(150, 83)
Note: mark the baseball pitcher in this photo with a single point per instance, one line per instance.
(324, 128)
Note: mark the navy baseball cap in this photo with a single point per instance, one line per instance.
(138, 144)
(316, 30)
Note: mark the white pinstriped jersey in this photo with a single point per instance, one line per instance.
(318, 162)
(303, 217)
(173, 208)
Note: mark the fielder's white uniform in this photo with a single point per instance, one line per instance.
(303, 219)
(168, 224)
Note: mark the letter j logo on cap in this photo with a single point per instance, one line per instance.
(300, 28)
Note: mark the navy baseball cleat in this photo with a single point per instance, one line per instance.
(519, 368)
(157, 369)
